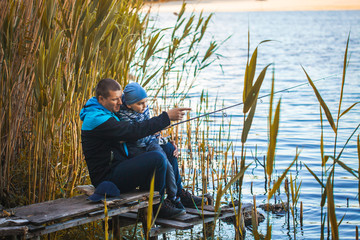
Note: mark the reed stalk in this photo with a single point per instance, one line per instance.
(106, 220)
(295, 195)
(328, 174)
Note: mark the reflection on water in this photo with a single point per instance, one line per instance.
(315, 40)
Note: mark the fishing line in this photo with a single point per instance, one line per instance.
(259, 98)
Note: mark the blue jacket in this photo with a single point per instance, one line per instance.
(101, 132)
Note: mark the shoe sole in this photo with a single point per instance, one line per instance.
(178, 215)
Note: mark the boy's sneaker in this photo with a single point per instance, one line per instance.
(189, 200)
(168, 210)
(177, 203)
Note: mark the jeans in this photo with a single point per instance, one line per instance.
(138, 171)
(169, 151)
(171, 183)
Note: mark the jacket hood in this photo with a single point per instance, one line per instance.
(94, 114)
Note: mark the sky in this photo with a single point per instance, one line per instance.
(257, 5)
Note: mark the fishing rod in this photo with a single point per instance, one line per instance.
(238, 104)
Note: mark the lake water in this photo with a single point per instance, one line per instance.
(316, 41)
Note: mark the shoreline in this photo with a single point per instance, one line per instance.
(254, 5)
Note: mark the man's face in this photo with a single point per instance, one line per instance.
(138, 106)
(112, 102)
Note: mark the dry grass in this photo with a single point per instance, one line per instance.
(49, 68)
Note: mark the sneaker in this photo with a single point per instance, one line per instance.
(168, 210)
(189, 200)
(177, 203)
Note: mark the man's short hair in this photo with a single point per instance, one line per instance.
(104, 86)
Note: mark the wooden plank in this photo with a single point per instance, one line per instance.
(132, 196)
(82, 220)
(174, 224)
(184, 218)
(196, 221)
(12, 221)
(13, 231)
(187, 217)
(41, 213)
(200, 212)
(129, 208)
(53, 210)
(161, 221)
(210, 208)
(208, 219)
(33, 228)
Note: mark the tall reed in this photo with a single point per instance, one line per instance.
(52, 54)
(328, 173)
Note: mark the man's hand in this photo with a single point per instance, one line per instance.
(176, 114)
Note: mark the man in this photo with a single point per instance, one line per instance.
(107, 159)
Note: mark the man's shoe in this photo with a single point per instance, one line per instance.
(177, 203)
(168, 210)
(189, 200)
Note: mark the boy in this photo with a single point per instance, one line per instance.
(135, 109)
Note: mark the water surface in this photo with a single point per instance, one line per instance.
(316, 41)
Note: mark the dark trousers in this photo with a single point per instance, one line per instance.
(169, 151)
(138, 171)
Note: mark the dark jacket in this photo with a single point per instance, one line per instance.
(101, 132)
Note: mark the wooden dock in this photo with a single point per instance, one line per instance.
(193, 217)
(33, 221)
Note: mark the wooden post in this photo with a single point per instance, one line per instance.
(143, 217)
(116, 227)
(208, 229)
(240, 229)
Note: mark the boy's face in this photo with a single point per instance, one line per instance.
(139, 106)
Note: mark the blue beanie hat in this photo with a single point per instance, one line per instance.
(133, 93)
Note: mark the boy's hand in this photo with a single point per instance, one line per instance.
(176, 114)
(176, 151)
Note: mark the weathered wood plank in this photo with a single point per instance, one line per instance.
(210, 208)
(200, 212)
(165, 229)
(128, 208)
(174, 224)
(160, 221)
(13, 231)
(182, 218)
(187, 217)
(53, 210)
(12, 221)
(83, 220)
(41, 213)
